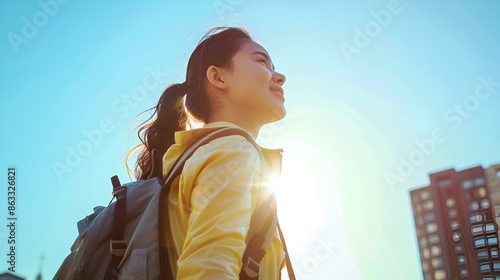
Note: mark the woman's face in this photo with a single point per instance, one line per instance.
(254, 87)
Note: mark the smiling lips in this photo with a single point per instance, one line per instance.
(278, 90)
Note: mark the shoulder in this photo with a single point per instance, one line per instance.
(231, 145)
(230, 150)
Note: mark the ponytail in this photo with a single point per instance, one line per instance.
(160, 134)
(171, 113)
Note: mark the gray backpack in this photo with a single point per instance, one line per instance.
(127, 239)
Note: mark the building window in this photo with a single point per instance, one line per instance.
(459, 248)
(418, 208)
(485, 203)
(461, 260)
(475, 230)
(420, 221)
(423, 242)
(433, 239)
(429, 217)
(485, 267)
(473, 206)
(489, 227)
(437, 262)
(496, 266)
(481, 192)
(492, 240)
(479, 181)
(467, 184)
(476, 219)
(425, 266)
(436, 250)
(429, 205)
(456, 236)
(464, 272)
(483, 254)
(425, 252)
(454, 224)
(450, 202)
(440, 275)
(432, 228)
(494, 253)
(425, 195)
(479, 242)
(445, 183)
(452, 213)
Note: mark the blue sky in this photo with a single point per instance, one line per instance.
(372, 87)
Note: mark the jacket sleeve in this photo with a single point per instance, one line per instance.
(221, 202)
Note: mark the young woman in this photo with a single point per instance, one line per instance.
(230, 82)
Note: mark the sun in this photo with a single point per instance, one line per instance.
(299, 202)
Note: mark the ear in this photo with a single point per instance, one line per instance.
(216, 77)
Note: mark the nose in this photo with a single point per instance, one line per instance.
(279, 78)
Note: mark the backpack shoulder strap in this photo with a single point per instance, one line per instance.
(179, 163)
(260, 236)
(289, 268)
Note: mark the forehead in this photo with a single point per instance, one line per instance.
(250, 47)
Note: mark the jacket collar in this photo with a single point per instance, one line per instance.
(272, 156)
(182, 137)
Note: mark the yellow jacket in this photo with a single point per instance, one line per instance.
(210, 204)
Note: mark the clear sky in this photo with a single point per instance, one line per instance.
(378, 93)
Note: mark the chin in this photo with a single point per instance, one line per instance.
(278, 113)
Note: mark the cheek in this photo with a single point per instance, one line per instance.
(253, 80)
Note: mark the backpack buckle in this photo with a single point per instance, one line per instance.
(118, 247)
(117, 190)
(251, 268)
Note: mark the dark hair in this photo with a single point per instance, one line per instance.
(217, 47)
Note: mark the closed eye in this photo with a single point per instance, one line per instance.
(263, 60)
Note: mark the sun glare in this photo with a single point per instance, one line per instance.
(298, 192)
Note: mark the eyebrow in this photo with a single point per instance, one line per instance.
(265, 55)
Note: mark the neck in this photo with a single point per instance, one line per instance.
(252, 127)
